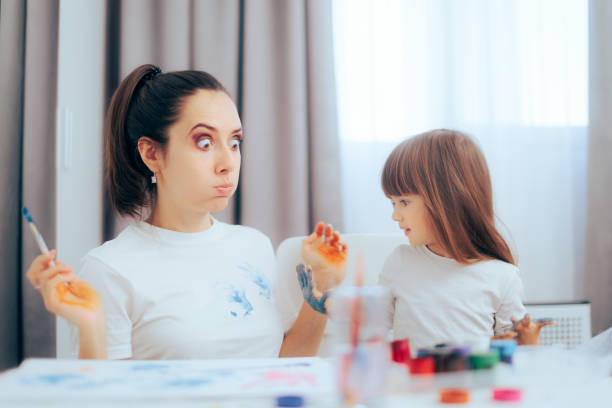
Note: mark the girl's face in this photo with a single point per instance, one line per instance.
(201, 163)
(411, 214)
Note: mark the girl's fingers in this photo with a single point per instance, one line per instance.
(526, 320)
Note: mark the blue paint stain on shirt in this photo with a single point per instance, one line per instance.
(258, 279)
(239, 297)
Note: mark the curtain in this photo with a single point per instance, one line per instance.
(27, 108)
(290, 174)
(598, 272)
(12, 23)
(513, 75)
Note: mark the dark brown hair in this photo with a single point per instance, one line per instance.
(146, 103)
(448, 170)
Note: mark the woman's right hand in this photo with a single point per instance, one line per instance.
(64, 294)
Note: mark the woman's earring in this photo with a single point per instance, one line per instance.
(153, 179)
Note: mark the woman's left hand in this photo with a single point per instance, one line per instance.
(326, 255)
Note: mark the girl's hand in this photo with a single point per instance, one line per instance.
(508, 335)
(64, 294)
(528, 331)
(326, 255)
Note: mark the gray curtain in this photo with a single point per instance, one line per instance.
(27, 156)
(598, 271)
(276, 59)
(290, 174)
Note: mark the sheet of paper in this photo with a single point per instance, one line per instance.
(78, 380)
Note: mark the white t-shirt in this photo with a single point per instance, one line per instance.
(174, 295)
(438, 300)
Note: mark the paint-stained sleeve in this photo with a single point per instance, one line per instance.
(511, 305)
(116, 296)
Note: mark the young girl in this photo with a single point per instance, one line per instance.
(180, 285)
(457, 282)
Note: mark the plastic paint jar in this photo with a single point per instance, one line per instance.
(290, 401)
(400, 351)
(506, 349)
(454, 396)
(483, 366)
(507, 394)
(360, 322)
(421, 374)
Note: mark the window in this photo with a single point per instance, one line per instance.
(513, 74)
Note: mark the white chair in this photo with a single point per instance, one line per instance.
(374, 247)
(573, 322)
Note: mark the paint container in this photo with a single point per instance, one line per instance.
(360, 322)
(290, 401)
(507, 394)
(450, 365)
(484, 368)
(448, 358)
(506, 349)
(400, 351)
(454, 396)
(421, 371)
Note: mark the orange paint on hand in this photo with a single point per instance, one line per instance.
(333, 250)
(319, 228)
(78, 293)
(333, 254)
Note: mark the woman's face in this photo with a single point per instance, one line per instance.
(200, 166)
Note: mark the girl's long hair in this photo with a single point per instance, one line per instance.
(448, 170)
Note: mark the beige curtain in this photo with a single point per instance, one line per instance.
(28, 73)
(275, 57)
(290, 175)
(598, 271)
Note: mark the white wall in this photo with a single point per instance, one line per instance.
(80, 101)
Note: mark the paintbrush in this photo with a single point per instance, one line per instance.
(356, 312)
(37, 235)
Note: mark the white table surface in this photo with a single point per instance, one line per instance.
(548, 377)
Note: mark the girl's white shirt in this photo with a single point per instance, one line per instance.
(438, 300)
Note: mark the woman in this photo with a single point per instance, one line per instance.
(180, 284)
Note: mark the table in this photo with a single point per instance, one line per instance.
(548, 377)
